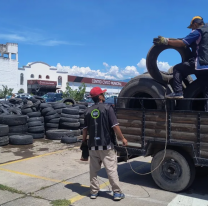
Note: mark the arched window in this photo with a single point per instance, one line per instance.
(21, 79)
(32, 76)
(47, 77)
(60, 80)
(40, 77)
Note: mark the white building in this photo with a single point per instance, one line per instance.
(40, 78)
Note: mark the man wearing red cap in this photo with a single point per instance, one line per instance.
(198, 64)
(101, 123)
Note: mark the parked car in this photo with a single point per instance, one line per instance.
(23, 96)
(110, 100)
(53, 97)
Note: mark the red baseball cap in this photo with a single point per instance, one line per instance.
(95, 91)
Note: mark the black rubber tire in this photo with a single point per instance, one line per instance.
(82, 111)
(70, 124)
(201, 172)
(59, 105)
(69, 140)
(28, 110)
(34, 114)
(46, 110)
(18, 129)
(15, 111)
(183, 162)
(35, 123)
(34, 119)
(69, 100)
(65, 119)
(37, 129)
(37, 135)
(143, 86)
(4, 130)
(151, 61)
(57, 134)
(54, 120)
(4, 140)
(82, 116)
(194, 90)
(70, 111)
(21, 139)
(53, 125)
(51, 113)
(13, 120)
(70, 116)
(58, 110)
(81, 121)
(81, 106)
(75, 107)
(76, 132)
(45, 105)
(48, 118)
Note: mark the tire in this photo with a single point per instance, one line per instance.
(70, 124)
(81, 111)
(82, 116)
(4, 130)
(81, 106)
(21, 139)
(69, 140)
(58, 111)
(69, 100)
(37, 129)
(13, 120)
(18, 129)
(45, 105)
(65, 119)
(34, 119)
(28, 110)
(151, 61)
(46, 110)
(53, 125)
(201, 172)
(70, 111)
(4, 140)
(51, 113)
(34, 114)
(54, 120)
(59, 105)
(57, 134)
(35, 123)
(75, 107)
(48, 118)
(70, 116)
(76, 132)
(37, 135)
(143, 86)
(193, 90)
(81, 121)
(182, 166)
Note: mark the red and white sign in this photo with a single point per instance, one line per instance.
(42, 82)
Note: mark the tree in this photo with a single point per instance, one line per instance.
(6, 91)
(21, 91)
(76, 94)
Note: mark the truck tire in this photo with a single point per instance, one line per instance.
(4, 130)
(143, 86)
(68, 100)
(34, 119)
(70, 111)
(56, 120)
(18, 129)
(57, 134)
(37, 135)
(21, 139)
(52, 112)
(65, 119)
(70, 124)
(46, 110)
(27, 110)
(45, 105)
(37, 129)
(35, 123)
(70, 116)
(68, 139)
(176, 173)
(54, 116)
(59, 105)
(52, 125)
(4, 140)
(151, 61)
(34, 114)
(13, 120)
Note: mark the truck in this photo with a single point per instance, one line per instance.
(177, 141)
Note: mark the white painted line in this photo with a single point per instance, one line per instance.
(181, 200)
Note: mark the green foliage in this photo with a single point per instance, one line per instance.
(61, 202)
(10, 189)
(76, 94)
(5, 92)
(21, 91)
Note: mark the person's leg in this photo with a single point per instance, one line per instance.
(109, 159)
(95, 166)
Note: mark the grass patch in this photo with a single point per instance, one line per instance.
(10, 189)
(61, 202)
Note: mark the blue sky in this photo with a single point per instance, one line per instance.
(106, 39)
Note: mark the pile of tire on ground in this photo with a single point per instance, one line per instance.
(13, 106)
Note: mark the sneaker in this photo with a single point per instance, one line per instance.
(174, 96)
(94, 196)
(118, 196)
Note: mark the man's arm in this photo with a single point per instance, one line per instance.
(84, 133)
(176, 43)
(118, 132)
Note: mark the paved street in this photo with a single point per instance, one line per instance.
(49, 170)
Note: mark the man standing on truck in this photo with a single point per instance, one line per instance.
(101, 123)
(198, 64)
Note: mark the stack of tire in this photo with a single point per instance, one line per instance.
(58, 107)
(82, 109)
(51, 116)
(16, 130)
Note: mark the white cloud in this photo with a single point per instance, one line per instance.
(130, 71)
(105, 64)
(163, 66)
(12, 37)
